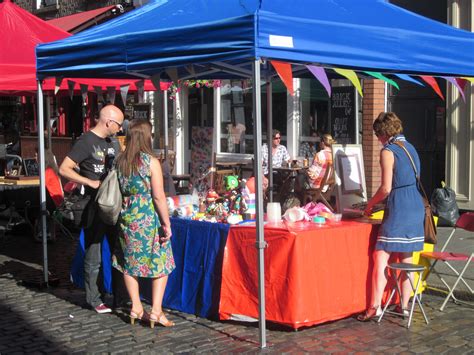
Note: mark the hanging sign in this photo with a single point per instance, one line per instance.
(141, 111)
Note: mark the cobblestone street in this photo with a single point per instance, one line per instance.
(56, 320)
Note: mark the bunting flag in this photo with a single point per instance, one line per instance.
(124, 92)
(156, 81)
(409, 78)
(111, 94)
(433, 83)
(57, 84)
(383, 77)
(70, 86)
(461, 82)
(352, 76)
(455, 83)
(190, 69)
(140, 84)
(320, 74)
(84, 89)
(285, 73)
(173, 74)
(100, 95)
(471, 79)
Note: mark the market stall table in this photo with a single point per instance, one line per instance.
(313, 274)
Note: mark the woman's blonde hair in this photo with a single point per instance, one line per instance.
(138, 140)
(328, 140)
(387, 124)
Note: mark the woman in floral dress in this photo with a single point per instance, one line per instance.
(145, 248)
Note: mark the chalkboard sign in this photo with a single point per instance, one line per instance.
(343, 114)
(141, 111)
(31, 167)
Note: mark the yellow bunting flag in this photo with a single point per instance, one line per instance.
(352, 76)
(383, 77)
(433, 83)
(285, 73)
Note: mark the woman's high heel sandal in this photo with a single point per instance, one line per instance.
(370, 313)
(160, 318)
(137, 316)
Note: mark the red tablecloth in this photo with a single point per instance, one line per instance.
(312, 274)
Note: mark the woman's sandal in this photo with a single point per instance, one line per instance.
(160, 318)
(401, 311)
(137, 316)
(370, 313)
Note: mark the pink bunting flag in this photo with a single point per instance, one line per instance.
(320, 74)
(456, 84)
(285, 73)
(461, 82)
(433, 83)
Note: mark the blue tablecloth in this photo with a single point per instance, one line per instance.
(194, 286)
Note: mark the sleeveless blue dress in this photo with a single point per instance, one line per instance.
(402, 228)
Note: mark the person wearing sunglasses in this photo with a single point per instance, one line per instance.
(279, 152)
(93, 153)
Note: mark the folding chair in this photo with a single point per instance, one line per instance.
(323, 193)
(466, 222)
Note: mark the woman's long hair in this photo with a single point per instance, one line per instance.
(138, 140)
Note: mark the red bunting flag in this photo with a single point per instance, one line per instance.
(285, 73)
(433, 83)
(461, 82)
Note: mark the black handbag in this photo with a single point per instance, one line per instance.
(81, 208)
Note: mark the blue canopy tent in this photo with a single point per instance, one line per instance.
(219, 39)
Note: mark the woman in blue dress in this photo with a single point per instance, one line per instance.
(144, 251)
(402, 229)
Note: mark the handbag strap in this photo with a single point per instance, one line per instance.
(414, 169)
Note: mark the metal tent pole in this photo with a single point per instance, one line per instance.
(260, 244)
(165, 121)
(270, 137)
(42, 180)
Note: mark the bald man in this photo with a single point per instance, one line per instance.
(94, 152)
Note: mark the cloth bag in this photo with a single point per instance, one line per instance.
(443, 204)
(109, 198)
(430, 227)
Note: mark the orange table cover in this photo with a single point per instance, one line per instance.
(312, 274)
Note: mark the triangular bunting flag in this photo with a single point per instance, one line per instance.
(461, 82)
(352, 76)
(383, 77)
(57, 84)
(285, 73)
(468, 79)
(140, 92)
(433, 83)
(111, 94)
(455, 83)
(124, 92)
(100, 95)
(156, 81)
(173, 74)
(84, 88)
(409, 78)
(70, 86)
(320, 74)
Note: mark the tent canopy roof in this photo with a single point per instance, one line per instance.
(364, 34)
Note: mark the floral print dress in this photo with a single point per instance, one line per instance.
(140, 252)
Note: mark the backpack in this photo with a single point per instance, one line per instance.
(109, 198)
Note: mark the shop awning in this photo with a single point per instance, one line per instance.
(77, 22)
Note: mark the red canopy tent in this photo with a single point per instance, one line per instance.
(21, 32)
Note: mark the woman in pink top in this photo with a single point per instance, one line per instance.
(320, 162)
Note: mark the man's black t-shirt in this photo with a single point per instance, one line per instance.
(94, 154)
